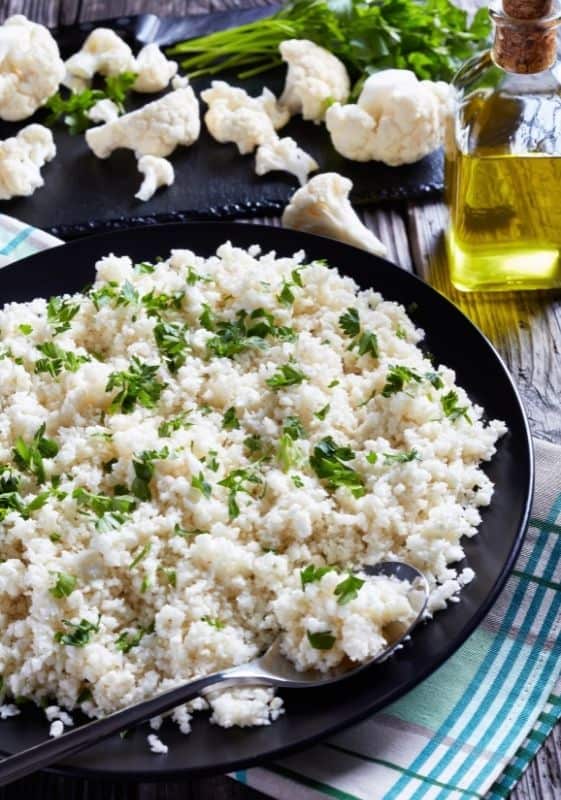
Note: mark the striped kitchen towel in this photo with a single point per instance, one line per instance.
(499, 696)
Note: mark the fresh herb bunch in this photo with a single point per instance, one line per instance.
(431, 37)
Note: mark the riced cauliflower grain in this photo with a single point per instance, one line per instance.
(209, 451)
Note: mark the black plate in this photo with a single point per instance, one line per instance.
(310, 714)
(83, 194)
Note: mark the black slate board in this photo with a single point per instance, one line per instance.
(83, 194)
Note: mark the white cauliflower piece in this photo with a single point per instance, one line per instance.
(103, 111)
(103, 52)
(31, 68)
(284, 155)
(156, 129)
(157, 172)
(322, 206)
(234, 116)
(315, 78)
(153, 69)
(21, 159)
(397, 119)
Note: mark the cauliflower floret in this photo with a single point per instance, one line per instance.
(103, 52)
(157, 172)
(156, 129)
(154, 70)
(103, 111)
(315, 78)
(322, 206)
(21, 159)
(234, 116)
(30, 67)
(286, 156)
(397, 119)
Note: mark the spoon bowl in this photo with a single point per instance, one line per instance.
(271, 669)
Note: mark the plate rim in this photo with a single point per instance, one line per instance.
(153, 776)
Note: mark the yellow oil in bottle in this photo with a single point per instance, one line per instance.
(505, 227)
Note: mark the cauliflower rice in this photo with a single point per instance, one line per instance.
(195, 455)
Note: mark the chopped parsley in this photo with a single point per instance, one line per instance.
(102, 504)
(155, 304)
(401, 458)
(29, 456)
(366, 342)
(77, 634)
(198, 482)
(142, 553)
(229, 420)
(245, 332)
(372, 458)
(286, 295)
(293, 427)
(452, 409)
(138, 384)
(127, 640)
(214, 622)
(238, 481)
(286, 375)
(171, 339)
(323, 412)
(64, 586)
(207, 319)
(397, 378)
(328, 462)
(144, 268)
(289, 454)
(297, 481)
(311, 574)
(165, 429)
(211, 460)
(25, 328)
(348, 589)
(434, 379)
(143, 467)
(333, 384)
(55, 537)
(193, 277)
(253, 444)
(56, 359)
(60, 313)
(322, 640)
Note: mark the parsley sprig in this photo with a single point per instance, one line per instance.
(171, 338)
(138, 384)
(55, 359)
(60, 313)
(286, 375)
(329, 463)
(73, 109)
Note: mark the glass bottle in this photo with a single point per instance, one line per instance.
(503, 156)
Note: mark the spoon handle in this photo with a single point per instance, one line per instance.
(51, 751)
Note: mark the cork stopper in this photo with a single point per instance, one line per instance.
(525, 36)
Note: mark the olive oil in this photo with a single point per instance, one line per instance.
(505, 222)
(503, 157)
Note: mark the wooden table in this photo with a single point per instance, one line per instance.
(525, 327)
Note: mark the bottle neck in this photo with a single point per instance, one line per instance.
(525, 45)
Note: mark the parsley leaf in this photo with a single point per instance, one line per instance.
(79, 634)
(29, 456)
(434, 379)
(64, 586)
(138, 384)
(322, 640)
(60, 313)
(323, 412)
(367, 344)
(297, 481)
(350, 322)
(328, 462)
(286, 375)
(397, 378)
(238, 481)
(401, 458)
(56, 359)
(214, 622)
(155, 304)
(102, 504)
(229, 420)
(311, 574)
(144, 472)
(348, 589)
(451, 408)
(25, 328)
(294, 428)
(166, 428)
(126, 640)
(172, 343)
(198, 482)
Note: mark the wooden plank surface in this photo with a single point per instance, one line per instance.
(525, 327)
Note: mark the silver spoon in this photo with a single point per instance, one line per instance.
(270, 669)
